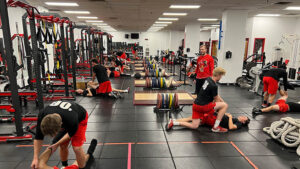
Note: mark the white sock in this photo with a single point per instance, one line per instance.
(217, 123)
(176, 123)
(125, 91)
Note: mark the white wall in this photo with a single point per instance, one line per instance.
(234, 25)
(204, 36)
(272, 29)
(161, 40)
(192, 39)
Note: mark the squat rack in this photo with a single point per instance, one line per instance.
(11, 73)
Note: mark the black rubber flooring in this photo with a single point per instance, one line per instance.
(133, 137)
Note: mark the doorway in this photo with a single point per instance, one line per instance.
(214, 48)
(259, 47)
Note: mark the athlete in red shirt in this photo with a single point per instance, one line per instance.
(204, 69)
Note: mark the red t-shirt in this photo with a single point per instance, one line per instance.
(123, 56)
(205, 66)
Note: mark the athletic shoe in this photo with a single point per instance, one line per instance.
(264, 105)
(256, 110)
(92, 147)
(113, 95)
(169, 125)
(219, 130)
(128, 89)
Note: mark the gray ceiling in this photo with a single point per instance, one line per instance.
(139, 15)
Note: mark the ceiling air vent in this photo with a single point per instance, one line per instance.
(282, 3)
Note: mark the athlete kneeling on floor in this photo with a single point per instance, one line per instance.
(65, 121)
(207, 102)
(45, 156)
(228, 122)
(103, 86)
(280, 106)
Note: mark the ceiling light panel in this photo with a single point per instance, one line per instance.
(168, 19)
(163, 22)
(87, 17)
(293, 8)
(185, 6)
(94, 21)
(207, 19)
(174, 14)
(61, 4)
(77, 12)
(268, 15)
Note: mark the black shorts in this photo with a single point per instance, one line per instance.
(294, 107)
(93, 91)
(112, 74)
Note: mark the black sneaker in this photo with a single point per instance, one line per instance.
(113, 95)
(92, 147)
(256, 110)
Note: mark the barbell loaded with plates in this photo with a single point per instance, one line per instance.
(155, 73)
(167, 101)
(161, 83)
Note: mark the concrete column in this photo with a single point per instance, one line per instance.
(192, 38)
(234, 31)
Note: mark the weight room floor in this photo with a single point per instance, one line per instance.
(134, 137)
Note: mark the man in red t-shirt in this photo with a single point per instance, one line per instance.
(204, 69)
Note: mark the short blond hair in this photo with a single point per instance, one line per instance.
(218, 71)
(51, 124)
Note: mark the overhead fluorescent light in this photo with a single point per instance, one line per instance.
(185, 6)
(99, 24)
(87, 17)
(295, 8)
(94, 21)
(61, 3)
(215, 25)
(77, 12)
(174, 14)
(168, 19)
(160, 24)
(263, 14)
(207, 19)
(163, 22)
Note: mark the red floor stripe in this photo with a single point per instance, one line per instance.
(129, 157)
(214, 142)
(249, 161)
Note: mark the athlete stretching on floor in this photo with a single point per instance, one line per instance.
(228, 122)
(103, 86)
(280, 106)
(45, 156)
(66, 121)
(207, 102)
